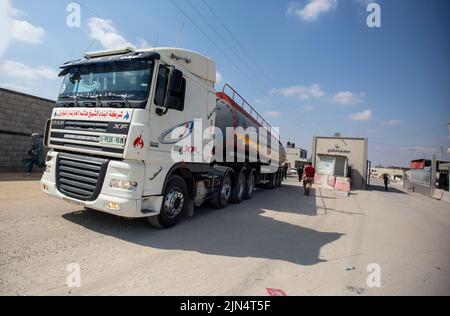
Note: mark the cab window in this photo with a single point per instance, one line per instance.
(161, 85)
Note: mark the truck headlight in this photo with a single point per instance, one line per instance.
(123, 185)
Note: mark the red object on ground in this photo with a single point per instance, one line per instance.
(276, 292)
(342, 186)
(309, 171)
(332, 181)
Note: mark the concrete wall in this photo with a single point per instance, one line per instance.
(20, 116)
(355, 149)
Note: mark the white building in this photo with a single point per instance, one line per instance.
(295, 157)
(342, 157)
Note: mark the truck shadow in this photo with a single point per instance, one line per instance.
(244, 230)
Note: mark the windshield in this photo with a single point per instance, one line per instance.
(122, 82)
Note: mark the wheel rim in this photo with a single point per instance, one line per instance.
(174, 202)
(226, 191)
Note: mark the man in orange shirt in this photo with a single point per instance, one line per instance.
(308, 178)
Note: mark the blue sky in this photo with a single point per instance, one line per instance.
(315, 67)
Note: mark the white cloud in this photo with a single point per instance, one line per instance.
(219, 77)
(312, 10)
(24, 31)
(16, 13)
(13, 69)
(348, 98)
(302, 92)
(391, 123)
(14, 27)
(106, 33)
(272, 113)
(142, 43)
(362, 116)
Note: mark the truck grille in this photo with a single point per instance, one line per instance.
(86, 126)
(80, 177)
(103, 138)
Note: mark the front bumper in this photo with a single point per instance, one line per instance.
(128, 204)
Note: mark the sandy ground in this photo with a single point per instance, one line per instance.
(321, 245)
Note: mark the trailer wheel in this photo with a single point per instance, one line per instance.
(272, 181)
(224, 195)
(249, 185)
(239, 190)
(280, 178)
(174, 203)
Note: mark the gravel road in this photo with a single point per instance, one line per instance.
(321, 245)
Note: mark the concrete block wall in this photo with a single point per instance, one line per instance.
(20, 116)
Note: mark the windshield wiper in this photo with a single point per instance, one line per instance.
(76, 100)
(98, 102)
(124, 98)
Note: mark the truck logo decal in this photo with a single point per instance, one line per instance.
(177, 133)
(120, 126)
(138, 142)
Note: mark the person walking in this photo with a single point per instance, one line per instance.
(386, 182)
(285, 169)
(300, 173)
(308, 178)
(37, 153)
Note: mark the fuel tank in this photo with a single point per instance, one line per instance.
(231, 114)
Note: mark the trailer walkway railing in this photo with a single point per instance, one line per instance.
(240, 101)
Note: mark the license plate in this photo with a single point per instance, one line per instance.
(73, 202)
(112, 140)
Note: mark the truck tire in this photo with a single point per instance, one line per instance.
(249, 185)
(272, 181)
(174, 203)
(239, 189)
(280, 178)
(223, 197)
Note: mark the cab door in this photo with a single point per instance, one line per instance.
(163, 121)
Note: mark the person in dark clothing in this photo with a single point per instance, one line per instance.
(285, 171)
(37, 153)
(300, 173)
(386, 181)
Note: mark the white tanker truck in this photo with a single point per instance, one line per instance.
(127, 137)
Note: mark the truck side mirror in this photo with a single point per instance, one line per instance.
(175, 82)
(174, 90)
(172, 102)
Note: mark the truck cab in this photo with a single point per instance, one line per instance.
(116, 128)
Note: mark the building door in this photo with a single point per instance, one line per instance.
(341, 167)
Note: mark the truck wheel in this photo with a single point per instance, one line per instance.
(224, 195)
(249, 185)
(272, 181)
(239, 190)
(174, 203)
(280, 179)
